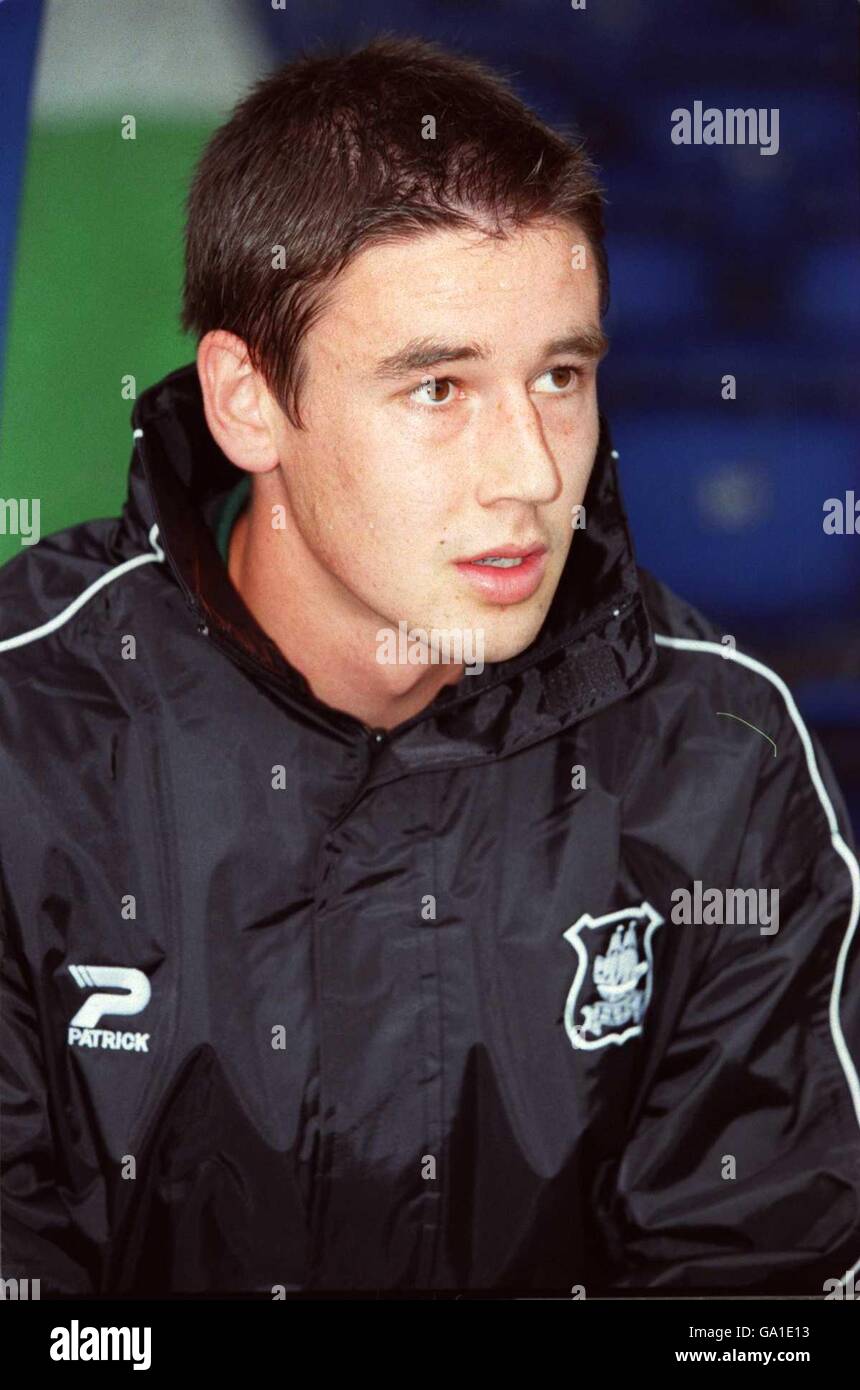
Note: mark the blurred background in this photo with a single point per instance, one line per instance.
(723, 262)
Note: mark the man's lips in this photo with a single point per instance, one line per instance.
(504, 552)
(506, 583)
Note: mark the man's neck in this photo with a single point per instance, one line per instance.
(319, 628)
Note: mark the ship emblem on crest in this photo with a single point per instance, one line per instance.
(612, 986)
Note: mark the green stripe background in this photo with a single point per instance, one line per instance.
(96, 296)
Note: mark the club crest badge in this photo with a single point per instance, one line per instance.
(614, 976)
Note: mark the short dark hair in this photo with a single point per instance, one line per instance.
(326, 156)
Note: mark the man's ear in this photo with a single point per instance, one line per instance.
(237, 416)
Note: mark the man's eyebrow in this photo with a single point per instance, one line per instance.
(421, 353)
(584, 342)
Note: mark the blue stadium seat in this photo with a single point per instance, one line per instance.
(730, 511)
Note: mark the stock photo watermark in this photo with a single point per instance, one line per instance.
(732, 126)
(21, 516)
(76, 1343)
(717, 907)
(437, 647)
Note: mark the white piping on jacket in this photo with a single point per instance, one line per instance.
(8, 644)
(730, 654)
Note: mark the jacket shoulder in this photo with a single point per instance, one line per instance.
(53, 595)
(41, 581)
(65, 606)
(673, 616)
(693, 648)
(719, 682)
(713, 673)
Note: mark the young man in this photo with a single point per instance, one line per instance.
(389, 903)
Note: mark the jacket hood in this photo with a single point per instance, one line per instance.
(595, 647)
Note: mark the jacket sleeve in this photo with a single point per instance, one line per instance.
(741, 1173)
(40, 1229)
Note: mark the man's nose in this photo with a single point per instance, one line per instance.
(516, 463)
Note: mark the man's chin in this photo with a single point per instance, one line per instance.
(470, 636)
(513, 638)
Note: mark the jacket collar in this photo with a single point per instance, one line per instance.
(595, 647)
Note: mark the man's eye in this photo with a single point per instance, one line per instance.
(432, 386)
(563, 380)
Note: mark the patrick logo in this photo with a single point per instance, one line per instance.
(612, 985)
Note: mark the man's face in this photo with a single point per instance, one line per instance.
(450, 407)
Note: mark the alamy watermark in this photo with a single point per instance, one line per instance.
(708, 125)
(437, 647)
(711, 907)
(23, 1290)
(20, 516)
(842, 518)
(76, 1343)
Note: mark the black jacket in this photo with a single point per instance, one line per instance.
(290, 1003)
